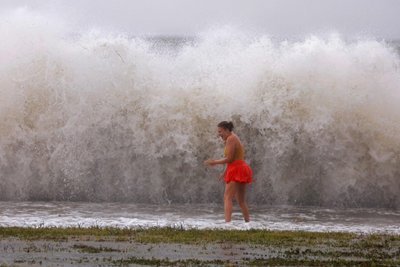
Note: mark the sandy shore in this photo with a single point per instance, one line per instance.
(174, 247)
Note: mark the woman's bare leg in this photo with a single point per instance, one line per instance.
(230, 192)
(240, 197)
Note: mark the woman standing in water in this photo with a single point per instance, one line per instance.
(237, 173)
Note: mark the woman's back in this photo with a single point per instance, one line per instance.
(239, 149)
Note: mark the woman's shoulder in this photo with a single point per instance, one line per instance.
(233, 138)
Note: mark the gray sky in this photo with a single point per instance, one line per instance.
(280, 18)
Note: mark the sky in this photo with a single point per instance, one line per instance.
(280, 18)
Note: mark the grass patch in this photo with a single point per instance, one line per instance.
(313, 262)
(178, 235)
(167, 262)
(90, 249)
(276, 261)
(196, 236)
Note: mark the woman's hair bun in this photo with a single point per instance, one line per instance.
(226, 125)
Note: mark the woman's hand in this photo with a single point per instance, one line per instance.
(209, 162)
(221, 176)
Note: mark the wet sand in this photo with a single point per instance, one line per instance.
(271, 248)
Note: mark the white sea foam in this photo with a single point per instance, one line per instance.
(94, 116)
(68, 214)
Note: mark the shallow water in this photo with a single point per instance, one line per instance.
(197, 216)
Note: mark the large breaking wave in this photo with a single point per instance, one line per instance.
(103, 117)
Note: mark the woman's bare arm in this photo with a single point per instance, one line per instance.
(230, 152)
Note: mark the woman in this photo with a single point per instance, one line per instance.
(237, 173)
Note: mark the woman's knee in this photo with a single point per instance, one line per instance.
(228, 196)
(230, 191)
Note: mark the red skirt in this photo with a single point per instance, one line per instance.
(238, 171)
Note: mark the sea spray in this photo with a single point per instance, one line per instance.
(94, 116)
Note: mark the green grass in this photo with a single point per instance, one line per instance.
(196, 236)
(293, 248)
(317, 262)
(167, 262)
(256, 262)
(90, 249)
(178, 235)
